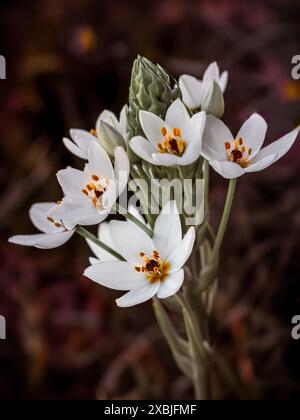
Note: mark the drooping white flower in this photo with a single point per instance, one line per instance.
(233, 156)
(54, 232)
(152, 266)
(81, 139)
(175, 141)
(110, 118)
(90, 194)
(194, 90)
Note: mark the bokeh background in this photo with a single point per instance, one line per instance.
(67, 60)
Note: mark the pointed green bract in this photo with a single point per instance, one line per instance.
(151, 90)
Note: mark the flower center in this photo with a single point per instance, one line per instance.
(154, 268)
(172, 142)
(95, 189)
(238, 152)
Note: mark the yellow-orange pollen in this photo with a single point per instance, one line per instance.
(172, 142)
(238, 152)
(93, 132)
(55, 223)
(95, 190)
(155, 269)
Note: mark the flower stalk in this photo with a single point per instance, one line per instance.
(170, 132)
(225, 219)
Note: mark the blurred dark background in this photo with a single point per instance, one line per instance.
(66, 62)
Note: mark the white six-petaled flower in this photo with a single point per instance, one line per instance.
(175, 141)
(89, 195)
(152, 266)
(233, 156)
(54, 232)
(194, 90)
(81, 139)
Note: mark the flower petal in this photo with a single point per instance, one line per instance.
(171, 285)
(143, 148)
(82, 139)
(216, 133)
(177, 115)
(253, 132)
(129, 240)
(192, 91)
(226, 169)
(38, 216)
(123, 120)
(93, 261)
(132, 209)
(152, 125)
(191, 154)
(72, 181)
(261, 164)
(198, 122)
(196, 126)
(99, 162)
(74, 149)
(121, 169)
(136, 297)
(42, 240)
(167, 159)
(183, 251)
(167, 235)
(211, 73)
(279, 147)
(104, 236)
(82, 214)
(117, 275)
(108, 117)
(223, 81)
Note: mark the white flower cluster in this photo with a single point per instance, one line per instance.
(130, 259)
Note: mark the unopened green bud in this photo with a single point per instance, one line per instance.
(151, 90)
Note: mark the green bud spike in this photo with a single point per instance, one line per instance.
(213, 102)
(150, 90)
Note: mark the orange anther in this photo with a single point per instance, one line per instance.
(163, 131)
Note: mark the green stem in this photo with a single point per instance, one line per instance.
(88, 235)
(133, 219)
(225, 218)
(206, 181)
(197, 350)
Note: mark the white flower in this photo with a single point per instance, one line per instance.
(90, 194)
(55, 232)
(152, 266)
(110, 118)
(81, 139)
(175, 141)
(194, 90)
(233, 156)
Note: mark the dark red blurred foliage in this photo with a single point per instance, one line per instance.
(66, 61)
